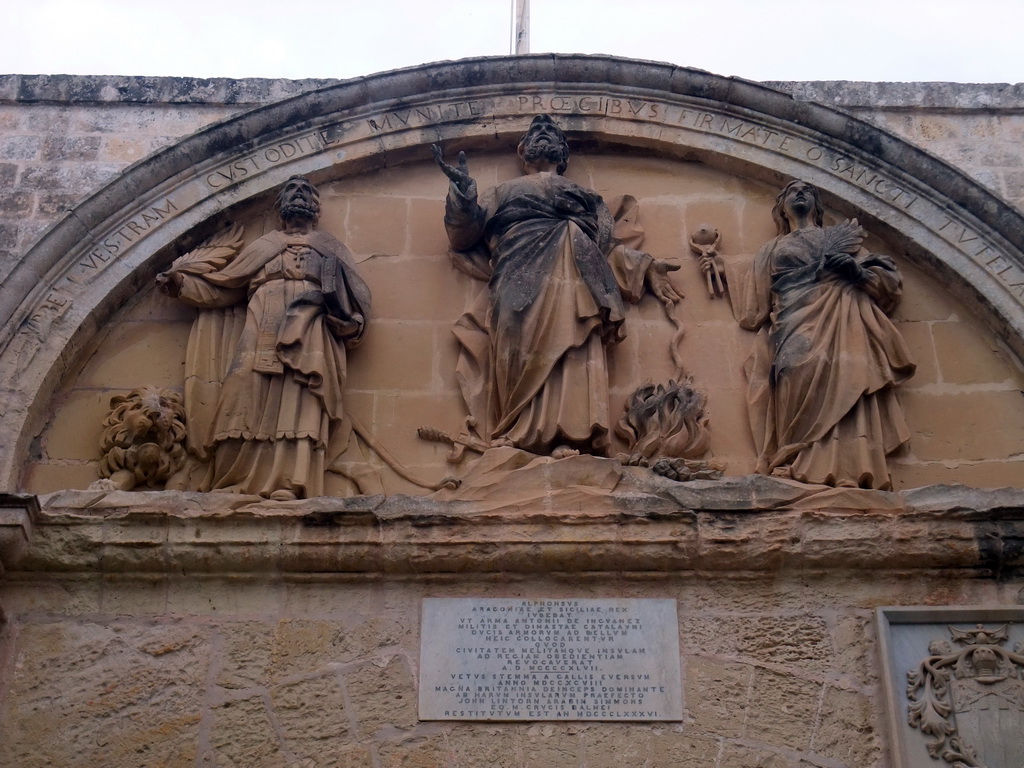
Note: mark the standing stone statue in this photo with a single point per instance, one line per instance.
(823, 373)
(533, 369)
(269, 403)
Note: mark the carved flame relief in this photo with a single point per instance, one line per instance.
(666, 428)
(970, 701)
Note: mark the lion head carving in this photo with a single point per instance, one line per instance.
(143, 440)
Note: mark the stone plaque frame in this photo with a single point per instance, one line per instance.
(546, 659)
(907, 636)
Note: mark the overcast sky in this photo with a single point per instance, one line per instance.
(883, 40)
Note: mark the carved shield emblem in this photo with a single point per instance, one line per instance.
(970, 702)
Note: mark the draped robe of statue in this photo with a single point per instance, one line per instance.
(533, 367)
(822, 373)
(264, 377)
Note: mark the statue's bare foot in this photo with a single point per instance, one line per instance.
(784, 472)
(283, 495)
(846, 484)
(502, 442)
(563, 452)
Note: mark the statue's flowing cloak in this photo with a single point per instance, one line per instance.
(533, 366)
(823, 368)
(265, 420)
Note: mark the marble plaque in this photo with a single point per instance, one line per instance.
(515, 659)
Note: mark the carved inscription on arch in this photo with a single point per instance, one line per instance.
(589, 104)
(427, 114)
(264, 158)
(672, 120)
(60, 298)
(984, 253)
(708, 121)
(721, 123)
(118, 239)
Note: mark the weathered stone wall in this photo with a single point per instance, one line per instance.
(166, 632)
(978, 128)
(221, 671)
(184, 629)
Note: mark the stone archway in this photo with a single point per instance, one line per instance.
(70, 282)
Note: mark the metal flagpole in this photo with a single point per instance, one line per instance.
(520, 26)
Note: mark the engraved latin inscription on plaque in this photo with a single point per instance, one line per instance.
(514, 659)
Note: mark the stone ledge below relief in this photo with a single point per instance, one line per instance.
(585, 514)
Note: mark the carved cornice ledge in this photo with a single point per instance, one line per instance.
(736, 524)
(17, 512)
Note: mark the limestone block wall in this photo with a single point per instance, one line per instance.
(978, 128)
(63, 137)
(157, 630)
(223, 671)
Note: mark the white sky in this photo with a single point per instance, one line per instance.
(881, 40)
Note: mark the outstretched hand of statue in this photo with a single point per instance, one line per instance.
(657, 282)
(459, 175)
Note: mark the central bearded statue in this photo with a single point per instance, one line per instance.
(534, 369)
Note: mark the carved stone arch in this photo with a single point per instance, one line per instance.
(86, 265)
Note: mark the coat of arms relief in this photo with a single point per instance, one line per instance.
(967, 699)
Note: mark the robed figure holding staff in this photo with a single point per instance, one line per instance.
(533, 368)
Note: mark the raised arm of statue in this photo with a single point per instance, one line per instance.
(636, 272)
(184, 279)
(459, 176)
(463, 217)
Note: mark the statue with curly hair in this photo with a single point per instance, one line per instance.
(143, 440)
